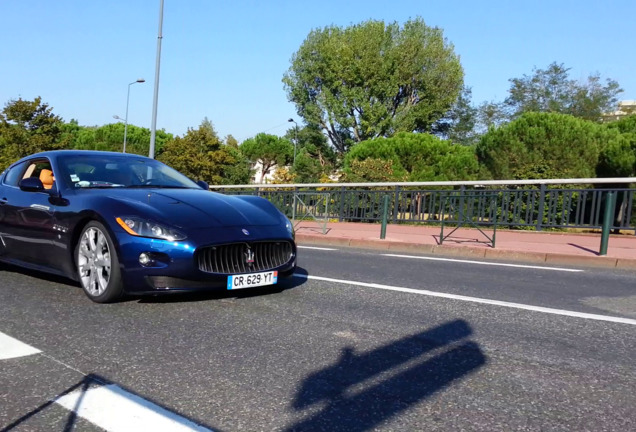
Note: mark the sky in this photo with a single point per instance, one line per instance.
(225, 60)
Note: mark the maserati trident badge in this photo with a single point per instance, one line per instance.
(249, 256)
(246, 232)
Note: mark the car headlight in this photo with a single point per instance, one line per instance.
(288, 225)
(144, 228)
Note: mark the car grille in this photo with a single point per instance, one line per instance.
(233, 258)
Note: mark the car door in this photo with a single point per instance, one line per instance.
(8, 183)
(3, 245)
(29, 223)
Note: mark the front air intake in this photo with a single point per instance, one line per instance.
(235, 258)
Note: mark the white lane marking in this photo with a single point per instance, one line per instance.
(486, 263)
(316, 248)
(477, 300)
(12, 348)
(114, 409)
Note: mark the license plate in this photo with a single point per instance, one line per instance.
(252, 280)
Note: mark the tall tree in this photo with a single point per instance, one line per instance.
(110, 137)
(28, 127)
(268, 151)
(372, 170)
(201, 155)
(459, 123)
(552, 90)
(231, 141)
(491, 114)
(314, 156)
(618, 156)
(542, 146)
(416, 157)
(373, 79)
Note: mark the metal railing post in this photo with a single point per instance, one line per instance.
(608, 218)
(494, 231)
(385, 212)
(542, 189)
(342, 199)
(462, 190)
(442, 201)
(396, 204)
(294, 205)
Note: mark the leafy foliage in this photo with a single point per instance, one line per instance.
(373, 80)
(231, 141)
(314, 156)
(372, 170)
(458, 124)
(201, 155)
(28, 127)
(110, 137)
(418, 157)
(551, 90)
(491, 114)
(618, 157)
(625, 124)
(542, 146)
(282, 175)
(268, 150)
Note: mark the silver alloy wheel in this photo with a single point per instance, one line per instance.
(94, 262)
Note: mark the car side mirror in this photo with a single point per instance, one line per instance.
(31, 184)
(203, 184)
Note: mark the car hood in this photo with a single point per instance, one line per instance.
(193, 208)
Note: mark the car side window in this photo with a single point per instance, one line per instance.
(41, 169)
(14, 175)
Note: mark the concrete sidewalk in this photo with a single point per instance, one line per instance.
(579, 249)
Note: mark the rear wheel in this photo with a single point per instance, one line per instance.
(98, 265)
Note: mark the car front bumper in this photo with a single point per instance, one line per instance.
(174, 266)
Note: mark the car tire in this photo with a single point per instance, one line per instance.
(97, 264)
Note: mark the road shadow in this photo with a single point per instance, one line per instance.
(460, 240)
(362, 390)
(595, 252)
(49, 277)
(317, 230)
(91, 381)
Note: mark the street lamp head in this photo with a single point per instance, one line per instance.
(139, 80)
(116, 117)
(290, 120)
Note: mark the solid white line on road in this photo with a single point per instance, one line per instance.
(316, 248)
(12, 348)
(476, 300)
(486, 263)
(114, 409)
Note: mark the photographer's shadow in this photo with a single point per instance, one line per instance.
(359, 395)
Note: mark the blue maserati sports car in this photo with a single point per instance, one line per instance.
(121, 223)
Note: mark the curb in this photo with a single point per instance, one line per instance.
(470, 252)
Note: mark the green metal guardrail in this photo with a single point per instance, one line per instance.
(528, 204)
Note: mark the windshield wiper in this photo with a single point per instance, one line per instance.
(100, 186)
(153, 186)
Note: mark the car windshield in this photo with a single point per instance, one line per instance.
(123, 171)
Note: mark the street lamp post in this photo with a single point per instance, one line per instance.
(155, 98)
(295, 138)
(294, 165)
(140, 80)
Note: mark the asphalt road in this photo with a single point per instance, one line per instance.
(359, 341)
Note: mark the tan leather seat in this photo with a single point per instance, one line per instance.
(47, 179)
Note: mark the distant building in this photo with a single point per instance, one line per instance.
(625, 108)
(258, 174)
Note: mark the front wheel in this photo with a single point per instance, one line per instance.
(98, 265)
